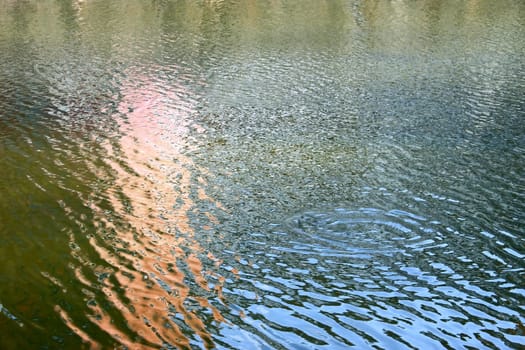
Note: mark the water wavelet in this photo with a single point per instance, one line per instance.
(111, 230)
(371, 277)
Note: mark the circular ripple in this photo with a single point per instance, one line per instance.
(361, 233)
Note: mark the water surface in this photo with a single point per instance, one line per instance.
(262, 174)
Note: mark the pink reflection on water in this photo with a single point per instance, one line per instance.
(159, 266)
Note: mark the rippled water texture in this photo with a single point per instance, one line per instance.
(262, 174)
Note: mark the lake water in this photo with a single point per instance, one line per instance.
(262, 174)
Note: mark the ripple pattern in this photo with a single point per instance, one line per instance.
(374, 278)
(276, 175)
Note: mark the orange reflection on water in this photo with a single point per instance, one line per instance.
(154, 254)
(83, 335)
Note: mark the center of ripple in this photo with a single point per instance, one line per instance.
(359, 233)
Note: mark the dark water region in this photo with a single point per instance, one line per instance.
(262, 174)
